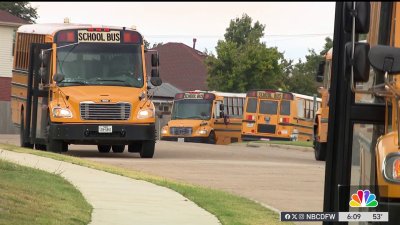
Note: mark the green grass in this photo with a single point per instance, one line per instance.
(30, 196)
(228, 208)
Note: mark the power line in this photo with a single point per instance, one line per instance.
(219, 36)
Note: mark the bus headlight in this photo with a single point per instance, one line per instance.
(202, 132)
(62, 112)
(391, 168)
(164, 130)
(145, 114)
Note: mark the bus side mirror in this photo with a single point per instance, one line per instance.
(385, 59)
(44, 61)
(44, 75)
(44, 57)
(320, 72)
(361, 14)
(221, 107)
(155, 79)
(58, 77)
(360, 61)
(155, 61)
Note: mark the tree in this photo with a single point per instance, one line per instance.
(240, 31)
(147, 44)
(22, 10)
(328, 45)
(301, 77)
(243, 62)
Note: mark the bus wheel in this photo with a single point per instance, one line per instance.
(104, 148)
(64, 147)
(118, 148)
(211, 138)
(22, 141)
(54, 145)
(135, 147)
(40, 147)
(147, 150)
(320, 151)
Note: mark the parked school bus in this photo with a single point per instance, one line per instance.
(205, 117)
(277, 115)
(83, 84)
(321, 117)
(363, 137)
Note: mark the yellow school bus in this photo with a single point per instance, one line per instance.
(205, 117)
(321, 117)
(83, 84)
(363, 148)
(277, 115)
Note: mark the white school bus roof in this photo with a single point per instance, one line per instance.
(305, 97)
(224, 94)
(51, 28)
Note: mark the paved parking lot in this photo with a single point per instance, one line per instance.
(285, 179)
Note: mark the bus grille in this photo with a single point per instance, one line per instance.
(94, 111)
(265, 128)
(181, 130)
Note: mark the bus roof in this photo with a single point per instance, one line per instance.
(305, 97)
(224, 94)
(51, 28)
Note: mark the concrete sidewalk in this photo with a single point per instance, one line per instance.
(120, 200)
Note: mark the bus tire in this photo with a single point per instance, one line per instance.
(118, 148)
(40, 147)
(320, 151)
(104, 148)
(22, 141)
(65, 147)
(147, 150)
(211, 138)
(135, 147)
(54, 145)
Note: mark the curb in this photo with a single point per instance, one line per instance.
(293, 147)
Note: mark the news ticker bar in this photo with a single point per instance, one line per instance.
(335, 216)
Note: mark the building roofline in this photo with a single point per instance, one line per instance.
(9, 24)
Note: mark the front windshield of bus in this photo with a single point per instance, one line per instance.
(192, 109)
(100, 64)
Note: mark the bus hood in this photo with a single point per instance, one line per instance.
(185, 123)
(102, 94)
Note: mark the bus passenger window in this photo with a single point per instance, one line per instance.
(285, 108)
(268, 107)
(251, 105)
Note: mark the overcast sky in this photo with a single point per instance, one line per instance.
(293, 27)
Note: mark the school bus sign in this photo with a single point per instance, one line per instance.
(102, 37)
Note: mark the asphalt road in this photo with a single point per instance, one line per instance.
(285, 179)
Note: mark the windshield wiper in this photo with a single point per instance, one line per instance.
(115, 80)
(73, 82)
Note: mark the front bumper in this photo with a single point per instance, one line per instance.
(187, 139)
(88, 133)
(246, 137)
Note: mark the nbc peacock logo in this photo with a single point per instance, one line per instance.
(363, 199)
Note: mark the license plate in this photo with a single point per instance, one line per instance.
(181, 139)
(105, 129)
(250, 124)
